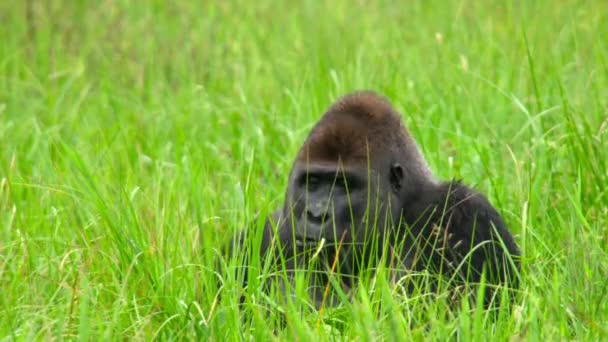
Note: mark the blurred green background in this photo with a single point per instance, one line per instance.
(135, 137)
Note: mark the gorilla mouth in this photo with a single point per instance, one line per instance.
(315, 242)
(302, 241)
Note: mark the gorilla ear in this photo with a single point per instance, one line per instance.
(396, 177)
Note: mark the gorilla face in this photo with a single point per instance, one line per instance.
(342, 204)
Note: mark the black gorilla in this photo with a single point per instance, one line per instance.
(361, 193)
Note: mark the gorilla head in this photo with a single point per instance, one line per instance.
(354, 173)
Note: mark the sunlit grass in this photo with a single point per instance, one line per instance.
(136, 139)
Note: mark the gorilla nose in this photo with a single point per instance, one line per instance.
(316, 214)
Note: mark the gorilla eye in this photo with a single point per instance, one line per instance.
(311, 182)
(343, 183)
(349, 183)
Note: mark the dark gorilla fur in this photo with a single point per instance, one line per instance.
(360, 193)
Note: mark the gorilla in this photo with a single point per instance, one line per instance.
(360, 194)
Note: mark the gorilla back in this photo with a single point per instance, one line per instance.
(360, 193)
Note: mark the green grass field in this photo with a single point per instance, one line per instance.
(135, 139)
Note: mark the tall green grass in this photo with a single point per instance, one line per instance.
(136, 138)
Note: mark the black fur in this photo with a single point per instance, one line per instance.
(457, 232)
(446, 229)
